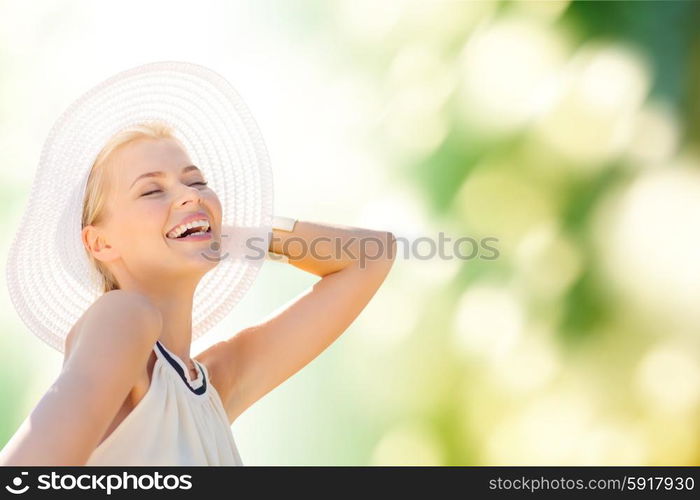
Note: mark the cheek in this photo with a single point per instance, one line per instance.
(137, 226)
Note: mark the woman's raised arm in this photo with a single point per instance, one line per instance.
(352, 264)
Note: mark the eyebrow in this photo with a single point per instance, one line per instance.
(161, 174)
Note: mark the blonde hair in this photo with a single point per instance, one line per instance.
(99, 179)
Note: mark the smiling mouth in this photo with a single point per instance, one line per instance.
(184, 231)
(193, 234)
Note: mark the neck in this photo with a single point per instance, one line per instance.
(176, 336)
(175, 304)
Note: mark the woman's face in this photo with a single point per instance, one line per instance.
(154, 188)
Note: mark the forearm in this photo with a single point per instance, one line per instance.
(321, 248)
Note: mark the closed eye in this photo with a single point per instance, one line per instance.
(201, 183)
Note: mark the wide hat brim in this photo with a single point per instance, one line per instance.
(50, 278)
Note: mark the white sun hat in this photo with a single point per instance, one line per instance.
(49, 275)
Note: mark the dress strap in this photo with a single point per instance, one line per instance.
(180, 368)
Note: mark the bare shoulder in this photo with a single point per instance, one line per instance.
(116, 318)
(122, 303)
(109, 349)
(106, 355)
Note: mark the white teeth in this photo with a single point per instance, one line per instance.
(184, 227)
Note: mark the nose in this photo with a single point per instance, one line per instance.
(191, 195)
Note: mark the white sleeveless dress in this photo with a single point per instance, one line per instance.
(178, 421)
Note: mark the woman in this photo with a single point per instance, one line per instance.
(129, 392)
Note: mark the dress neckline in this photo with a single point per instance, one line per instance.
(199, 384)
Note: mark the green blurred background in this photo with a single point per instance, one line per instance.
(567, 130)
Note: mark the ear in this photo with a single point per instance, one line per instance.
(95, 242)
